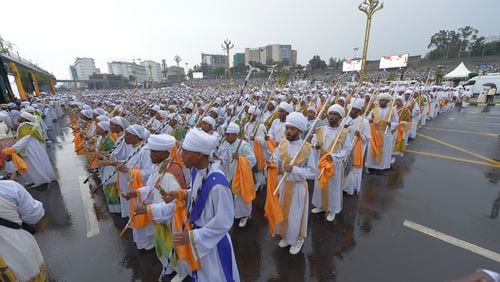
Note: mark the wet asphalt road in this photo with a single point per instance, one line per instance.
(366, 242)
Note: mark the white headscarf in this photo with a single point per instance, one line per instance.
(28, 116)
(121, 121)
(358, 104)
(233, 128)
(138, 131)
(337, 109)
(199, 141)
(161, 142)
(286, 107)
(104, 125)
(297, 120)
(209, 120)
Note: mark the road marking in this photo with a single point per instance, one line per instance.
(478, 116)
(452, 240)
(450, 158)
(463, 131)
(489, 123)
(460, 149)
(89, 211)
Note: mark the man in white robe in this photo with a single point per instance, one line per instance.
(331, 141)
(229, 159)
(385, 122)
(31, 148)
(293, 194)
(20, 256)
(277, 129)
(360, 128)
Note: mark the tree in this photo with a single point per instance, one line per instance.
(317, 64)
(5, 46)
(331, 62)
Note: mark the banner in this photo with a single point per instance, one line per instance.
(352, 65)
(390, 62)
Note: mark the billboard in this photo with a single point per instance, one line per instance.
(390, 62)
(352, 65)
(197, 75)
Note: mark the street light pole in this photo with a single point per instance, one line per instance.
(369, 7)
(178, 59)
(227, 46)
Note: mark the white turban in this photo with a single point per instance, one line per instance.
(104, 125)
(87, 113)
(297, 120)
(233, 128)
(358, 104)
(138, 131)
(199, 141)
(121, 121)
(400, 98)
(161, 142)
(286, 107)
(209, 120)
(384, 96)
(3, 116)
(102, 118)
(28, 116)
(189, 106)
(337, 109)
(30, 109)
(155, 108)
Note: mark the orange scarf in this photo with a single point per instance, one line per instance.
(113, 136)
(259, 155)
(329, 171)
(19, 163)
(242, 184)
(401, 131)
(358, 154)
(272, 207)
(271, 145)
(175, 156)
(141, 220)
(184, 252)
(376, 143)
(79, 149)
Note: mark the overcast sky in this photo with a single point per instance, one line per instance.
(53, 32)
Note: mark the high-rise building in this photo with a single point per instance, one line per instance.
(238, 58)
(270, 54)
(253, 55)
(153, 70)
(215, 61)
(128, 69)
(83, 68)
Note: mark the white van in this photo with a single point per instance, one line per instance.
(476, 84)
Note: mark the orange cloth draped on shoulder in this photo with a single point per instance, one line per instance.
(376, 142)
(401, 131)
(272, 207)
(175, 156)
(259, 155)
(113, 136)
(242, 184)
(329, 171)
(358, 154)
(79, 148)
(141, 220)
(184, 252)
(271, 145)
(19, 163)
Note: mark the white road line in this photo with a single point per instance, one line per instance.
(454, 241)
(89, 211)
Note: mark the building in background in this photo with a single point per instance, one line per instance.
(172, 74)
(128, 69)
(83, 68)
(238, 58)
(270, 54)
(215, 61)
(154, 72)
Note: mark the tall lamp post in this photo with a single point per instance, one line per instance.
(227, 46)
(178, 59)
(369, 7)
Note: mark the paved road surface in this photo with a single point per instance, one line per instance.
(449, 190)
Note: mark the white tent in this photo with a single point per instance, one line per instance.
(459, 72)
